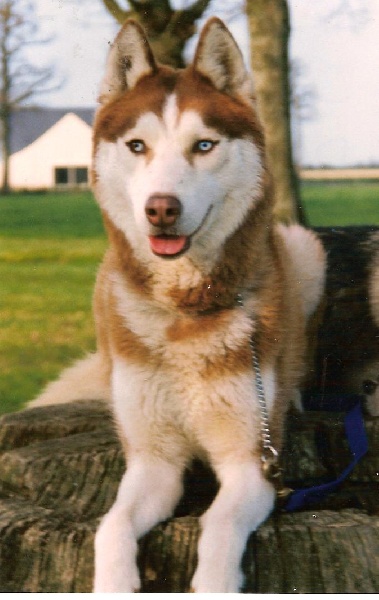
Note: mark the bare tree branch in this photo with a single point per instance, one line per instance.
(168, 29)
(191, 14)
(113, 7)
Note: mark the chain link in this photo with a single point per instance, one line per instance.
(269, 454)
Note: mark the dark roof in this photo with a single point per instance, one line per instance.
(28, 124)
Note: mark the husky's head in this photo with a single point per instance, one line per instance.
(178, 154)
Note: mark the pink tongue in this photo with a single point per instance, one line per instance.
(167, 245)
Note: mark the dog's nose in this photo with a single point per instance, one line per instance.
(163, 210)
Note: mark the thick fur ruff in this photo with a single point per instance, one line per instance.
(179, 173)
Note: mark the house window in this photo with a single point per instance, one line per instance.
(61, 176)
(82, 175)
(71, 176)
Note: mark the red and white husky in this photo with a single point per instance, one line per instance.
(180, 175)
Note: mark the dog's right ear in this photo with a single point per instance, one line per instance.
(129, 59)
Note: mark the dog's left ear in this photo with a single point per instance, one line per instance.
(219, 58)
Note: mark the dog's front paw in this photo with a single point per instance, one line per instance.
(117, 583)
(116, 577)
(116, 570)
(205, 581)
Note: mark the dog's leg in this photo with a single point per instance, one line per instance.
(244, 501)
(148, 494)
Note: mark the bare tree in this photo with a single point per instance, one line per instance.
(20, 80)
(168, 29)
(270, 28)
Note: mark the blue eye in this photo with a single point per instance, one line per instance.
(203, 146)
(137, 146)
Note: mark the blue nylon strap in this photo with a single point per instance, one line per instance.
(357, 438)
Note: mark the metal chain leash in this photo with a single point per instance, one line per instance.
(270, 456)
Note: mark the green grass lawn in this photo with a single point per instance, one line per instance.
(341, 203)
(50, 248)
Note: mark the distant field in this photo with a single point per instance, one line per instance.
(368, 173)
(50, 248)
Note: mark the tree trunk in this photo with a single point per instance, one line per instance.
(5, 112)
(269, 34)
(6, 150)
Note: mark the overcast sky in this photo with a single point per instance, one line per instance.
(338, 52)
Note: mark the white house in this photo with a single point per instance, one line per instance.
(50, 148)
